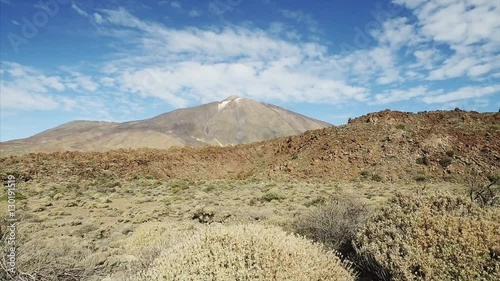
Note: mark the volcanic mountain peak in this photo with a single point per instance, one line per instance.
(228, 100)
(232, 98)
(234, 120)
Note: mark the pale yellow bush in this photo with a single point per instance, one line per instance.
(146, 234)
(432, 238)
(150, 239)
(244, 252)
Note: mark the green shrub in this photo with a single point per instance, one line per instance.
(73, 186)
(244, 252)
(400, 127)
(271, 184)
(320, 200)
(450, 153)
(210, 187)
(114, 184)
(270, 196)
(365, 173)
(376, 178)
(368, 175)
(493, 178)
(178, 186)
(432, 238)
(420, 178)
(18, 197)
(445, 162)
(424, 160)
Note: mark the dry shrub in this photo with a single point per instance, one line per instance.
(333, 224)
(432, 238)
(150, 239)
(485, 193)
(50, 259)
(147, 234)
(244, 252)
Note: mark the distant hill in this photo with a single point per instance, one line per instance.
(232, 121)
(387, 146)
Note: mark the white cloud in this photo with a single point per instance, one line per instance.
(16, 69)
(18, 98)
(396, 33)
(183, 66)
(439, 96)
(460, 22)
(122, 17)
(463, 93)
(29, 79)
(412, 4)
(479, 69)
(98, 18)
(399, 95)
(78, 10)
(377, 65)
(286, 31)
(25, 88)
(108, 81)
(426, 58)
(453, 67)
(302, 18)
(216, 81)
(470, 29)
(176, 5)
(86, 83)
(194, 13)
(445, 40)
(268, 65)
(51, 82)
(196, 64)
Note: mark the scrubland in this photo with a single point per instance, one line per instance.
(389, 196)
(149, 229)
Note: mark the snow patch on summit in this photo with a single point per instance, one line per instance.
(223, 104)
(227, 101)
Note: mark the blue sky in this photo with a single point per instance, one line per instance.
(116, 60)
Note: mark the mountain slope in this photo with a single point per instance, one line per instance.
(232, 121)
(387, 146)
